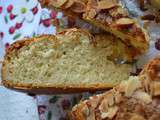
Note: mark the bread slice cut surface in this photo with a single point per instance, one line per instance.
(65, 62)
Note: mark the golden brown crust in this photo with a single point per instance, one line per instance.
(150, 77)
(50, 89)
(117, 21)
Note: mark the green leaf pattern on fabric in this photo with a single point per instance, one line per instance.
(16, 36)
(49, 115)
(6, 19)
(54, 99)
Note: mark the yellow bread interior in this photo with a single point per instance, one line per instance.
(72, 60)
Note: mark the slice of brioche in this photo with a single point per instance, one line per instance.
(124, 102)
(111, 17)
(68, 62)
(150, 77)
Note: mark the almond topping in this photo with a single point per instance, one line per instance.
(85, 110)
(136, 117)
(58, 3)
(124, 22)
(118, 97)
(122, 86)
(132, 84)
(107, 4)
(118, 12)
(69, 4)
(110, 114)
(78, 7)
(94, 101)
(103, 107)
(143, 96)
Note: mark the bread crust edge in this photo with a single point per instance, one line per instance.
(41, 89)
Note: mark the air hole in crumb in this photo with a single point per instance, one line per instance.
(64, 53)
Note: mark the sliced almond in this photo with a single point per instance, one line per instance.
(122, 86)
(103, 107)
(118, 12)
(58, 3)
(85, 110)
(110, 114)
(69, 4)
(136, 117)
(110, 100)
(107, 4)
(94, 101)
(78, 7)
(118, 97)
(132, 84)
(143, 96)
(124, 22)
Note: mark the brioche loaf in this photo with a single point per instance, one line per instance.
(69, 62)
(109, 15)
(127, 101)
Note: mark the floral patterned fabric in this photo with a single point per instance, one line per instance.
(26, 18)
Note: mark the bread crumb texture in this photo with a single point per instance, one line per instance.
(73, 60)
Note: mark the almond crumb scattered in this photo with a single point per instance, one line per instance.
(68, 4)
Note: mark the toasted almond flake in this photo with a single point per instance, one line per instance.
(107, 4)
(143, 96)
(104, 115)
(106, 105)
(118, 97)
(132, 84)
(136, 117)
(58, 3)
(69, 4)
(122, 86)
(103, 107)
(111, 100)
(85, 110)
(94, 100)
(78, 7)
(118, 11)
(110, 114)
(124, 21)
